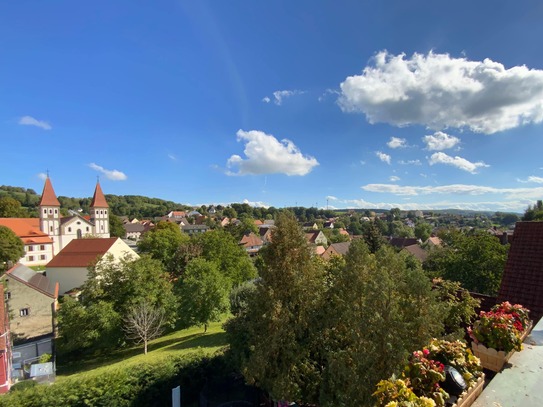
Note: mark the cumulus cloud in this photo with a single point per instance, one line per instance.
(113, 175)
(396, 142)
(458, 162)
(440, 91)
(256, 204)
(267, 155)
(440, 141)
(393, 178)
(280, 95)
(532, 178)
(410, 162)
(454, 189)
(383, 157)
(331, 198)
(30, 121)
(42, 176)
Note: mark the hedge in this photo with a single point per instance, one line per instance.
(138, 385)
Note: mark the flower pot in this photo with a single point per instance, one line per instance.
(468, 397)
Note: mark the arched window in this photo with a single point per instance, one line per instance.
(56, 211)
(69, 229)
(45, 211)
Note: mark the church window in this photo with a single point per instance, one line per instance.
(105, 212)
(50, 211)
(69, 229)
(51, 229)
(87, 228)
(56, 211)
(102, 227)
(45, 211)
(79, 223)
(79, 234)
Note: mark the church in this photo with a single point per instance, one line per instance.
(46, 236)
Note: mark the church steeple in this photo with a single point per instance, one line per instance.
(49, 208)
(99, 212)
(48, 196)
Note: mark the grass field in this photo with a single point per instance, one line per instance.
(175, 344)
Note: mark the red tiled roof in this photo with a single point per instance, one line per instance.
(81, 252)
(522, 281)
(48, 196)
(98, 200)
(28, 230)
(251, 240)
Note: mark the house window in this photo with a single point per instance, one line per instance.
(51, 229)
(69, 229)
(7, 295)
(24, 312)
(43, 257)
(30, 258)
(87, 228)
(30, 248)
(42, 247)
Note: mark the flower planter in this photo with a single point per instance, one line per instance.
(492, 359)
(468, 397)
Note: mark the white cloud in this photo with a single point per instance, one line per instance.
(458, 162)
(267, 155)
(383, 157)
(327, 93)
(172, 157)
(256, 204)
(393, 178)
(42, 176)
(396, 142)
(532, 178)
(454, 189)
(113, 175)
(280, 95)
(410, 162)
(440, 141)
(331, 198)
(30, 121)
(440, 91)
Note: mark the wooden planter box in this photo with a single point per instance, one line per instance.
(492, 359)
(467, 398)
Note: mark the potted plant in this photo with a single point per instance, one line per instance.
(398, 393)
(498, 333)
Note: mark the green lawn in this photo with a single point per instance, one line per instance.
(175, 344)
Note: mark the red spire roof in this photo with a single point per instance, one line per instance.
(48, 196)
(98, 200)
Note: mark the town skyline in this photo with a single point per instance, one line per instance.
(416, 106)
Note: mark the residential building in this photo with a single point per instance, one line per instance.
(70, 267)
(336, 249)
(32, 300)
(37, 244)
(251, 243)
(194, 229)
(317, 238)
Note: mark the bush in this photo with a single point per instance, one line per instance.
(23, 385)
(139, 385)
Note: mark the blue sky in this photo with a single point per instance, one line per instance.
(370, 104)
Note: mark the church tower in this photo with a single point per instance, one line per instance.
(99, 213)
(49, 208)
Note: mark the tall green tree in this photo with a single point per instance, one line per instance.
(534, 212)
(476, 261)
(423, 231)
(163, 242)
(283, 313)
(203, 293)
(11, 248)
(116, 228)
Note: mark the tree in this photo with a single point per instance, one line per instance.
(11, 208)
(11, 248)
(280, 328)
(203, 293)
(162, 243)
(423, 231)
(476, 261)
(373, 237)
(534, 212)
(116, 228)
(143, 323)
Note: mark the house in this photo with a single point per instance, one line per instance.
(522, 281)
(224, 221)
(194, 229)
(401, 242)
(5, 346)
(194, 214)
(211, 210)
(45, 236)
(328, 225)
(319, 250)
(251, 243)
(134, 231)
(176, 215)
(336, 249)
(32, 301)
(418, 252)
(434, 241)
(265, 233)
(70, 267)
(269, 222)
(317, 238)
(258, 222)
(310, 225)
(38, 245)
(344, 232)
